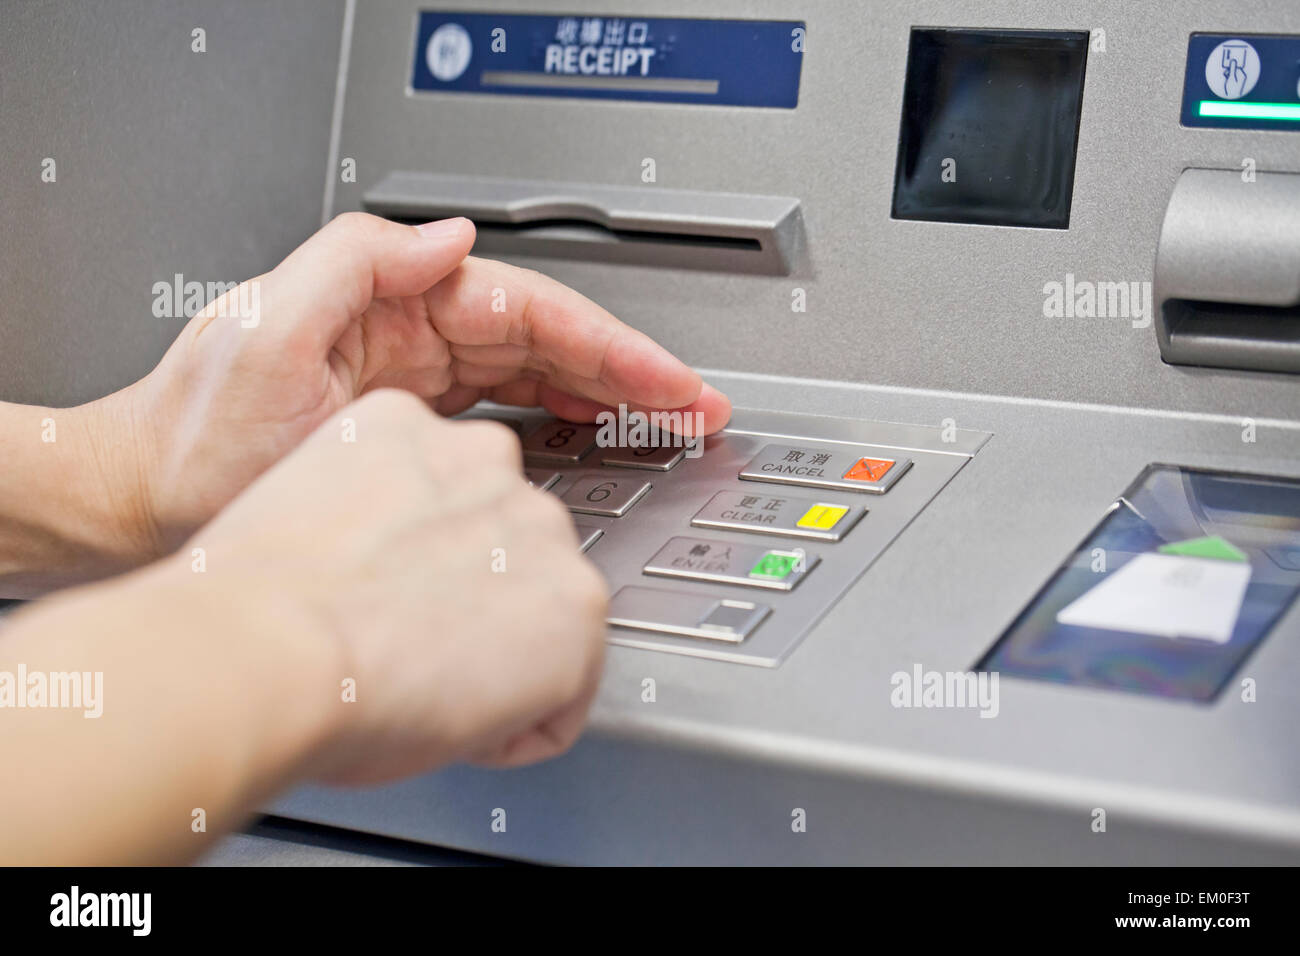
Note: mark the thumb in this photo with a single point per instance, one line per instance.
(332, 277)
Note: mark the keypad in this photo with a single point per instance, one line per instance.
(734, 546)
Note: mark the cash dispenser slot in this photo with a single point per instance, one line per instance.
(1227, 273)
(727, 232)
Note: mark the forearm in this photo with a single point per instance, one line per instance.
(71, 509)
(211, 697)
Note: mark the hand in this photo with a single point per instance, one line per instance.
(398, 558)
(367, 304)
(228, 685)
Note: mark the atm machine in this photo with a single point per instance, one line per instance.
(997, 560)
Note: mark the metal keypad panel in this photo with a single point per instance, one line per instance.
(711, 554)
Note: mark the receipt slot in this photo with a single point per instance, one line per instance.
(669, 228)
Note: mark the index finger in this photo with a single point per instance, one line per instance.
(570, 341)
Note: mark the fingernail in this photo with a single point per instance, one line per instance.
(442, 228)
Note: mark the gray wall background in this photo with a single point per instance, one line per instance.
(169, 161)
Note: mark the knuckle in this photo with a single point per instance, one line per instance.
(588, 653)
(492, 441)
(572, 686)
(398, 423)
(551, 517)
(563, 739)
(581, 590)
(572, 653)
(353, 223)
(393, 407)
(589, 588)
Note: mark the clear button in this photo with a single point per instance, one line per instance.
(796, 517)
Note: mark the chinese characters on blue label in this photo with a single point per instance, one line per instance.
(654, 59)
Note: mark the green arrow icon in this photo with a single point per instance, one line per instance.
(1220, 549)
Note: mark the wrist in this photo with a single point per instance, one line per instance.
(278, 666)
(72, 499)
(113, 443)
(209, 693)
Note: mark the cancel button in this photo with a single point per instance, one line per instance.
(864, 468)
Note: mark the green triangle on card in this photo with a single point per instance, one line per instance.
(1211, 547)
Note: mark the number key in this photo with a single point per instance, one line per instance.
(559, 443)
(601, 495)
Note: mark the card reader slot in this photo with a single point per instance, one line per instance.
(1227, 272)
(635, 225)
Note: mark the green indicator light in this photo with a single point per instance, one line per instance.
(1237, 110)
(774, 565)
(1211, 547)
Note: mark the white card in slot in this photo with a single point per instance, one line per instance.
(1166, 595)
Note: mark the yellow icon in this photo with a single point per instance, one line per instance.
(822, 517)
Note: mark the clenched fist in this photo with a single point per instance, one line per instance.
(451, 591)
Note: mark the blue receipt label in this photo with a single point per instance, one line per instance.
(651, 59)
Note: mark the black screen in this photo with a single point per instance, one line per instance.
(990, 125)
